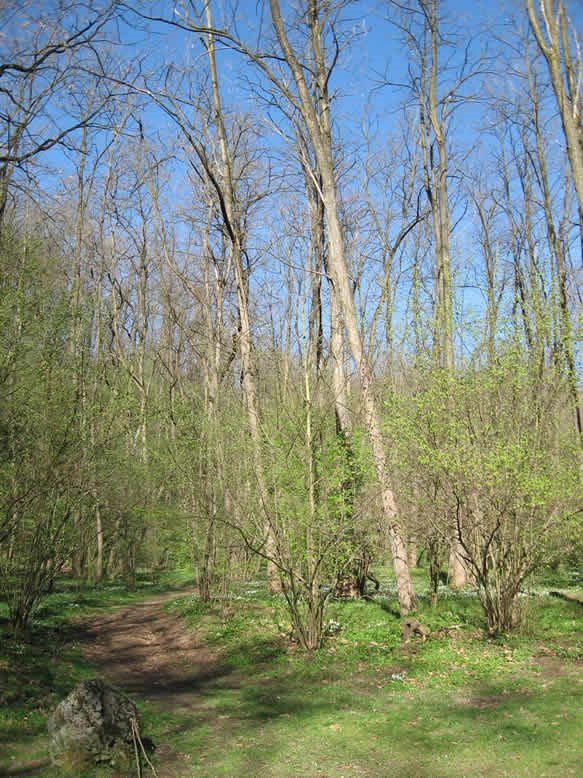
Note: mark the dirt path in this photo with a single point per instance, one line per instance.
(147, 652)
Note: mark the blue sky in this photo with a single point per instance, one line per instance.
(376, 54)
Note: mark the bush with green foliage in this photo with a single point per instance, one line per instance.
(491, 455)
(41, 461)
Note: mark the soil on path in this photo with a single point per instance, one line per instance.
(147, 651)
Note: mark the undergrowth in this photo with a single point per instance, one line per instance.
(366, 704)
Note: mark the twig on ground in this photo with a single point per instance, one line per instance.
(138, 740)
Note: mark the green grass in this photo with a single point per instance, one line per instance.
(458, 704)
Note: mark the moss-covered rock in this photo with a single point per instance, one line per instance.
(94, 723)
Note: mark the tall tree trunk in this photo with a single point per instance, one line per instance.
(433, 136)
(99, 541)
(235, 231)
(566, 71)
(317, 122)
(557, 249)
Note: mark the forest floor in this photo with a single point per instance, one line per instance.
(222, 692)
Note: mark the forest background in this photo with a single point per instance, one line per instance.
(290, 288)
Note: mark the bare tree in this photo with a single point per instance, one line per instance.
(557, 240)
(558, 42)
(437, 96)
(315, 109)
(40, 70)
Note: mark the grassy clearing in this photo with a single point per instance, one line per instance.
(458, 704)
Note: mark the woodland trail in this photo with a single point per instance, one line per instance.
(149, 653)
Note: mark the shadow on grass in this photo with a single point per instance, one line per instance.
(256, 706)
(260, 714)
(12, 733)
(38, 668)
(38, 768)
(487, 726)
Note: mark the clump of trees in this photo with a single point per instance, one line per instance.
(263, 341)
(40, 445)
(490, 452)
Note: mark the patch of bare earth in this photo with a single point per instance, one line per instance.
(148, 652)
(551, 667)
(484, 701)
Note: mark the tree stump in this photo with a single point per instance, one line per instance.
(412, 628)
